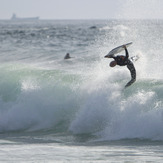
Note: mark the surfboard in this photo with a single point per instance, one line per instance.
(118, 49)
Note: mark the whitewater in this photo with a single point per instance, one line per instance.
(77, 110)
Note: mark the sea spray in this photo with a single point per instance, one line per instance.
(84, 95)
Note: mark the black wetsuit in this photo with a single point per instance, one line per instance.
(124, 61)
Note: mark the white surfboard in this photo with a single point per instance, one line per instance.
(118, 49)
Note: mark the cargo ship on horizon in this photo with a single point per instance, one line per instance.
(14, 17)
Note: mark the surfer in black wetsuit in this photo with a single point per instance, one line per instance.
(67, 56)
(124, 61)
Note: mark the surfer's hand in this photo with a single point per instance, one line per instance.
(124, 46)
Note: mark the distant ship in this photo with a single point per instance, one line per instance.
(14, 17)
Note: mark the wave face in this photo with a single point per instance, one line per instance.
(40, 91)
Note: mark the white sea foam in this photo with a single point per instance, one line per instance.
(83, 95)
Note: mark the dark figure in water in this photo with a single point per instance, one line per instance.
(67, 56)
(124, 61)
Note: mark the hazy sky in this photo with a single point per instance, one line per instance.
(82, 9)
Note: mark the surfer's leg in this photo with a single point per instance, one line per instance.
(131, 67)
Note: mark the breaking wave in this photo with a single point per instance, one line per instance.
(35, 99)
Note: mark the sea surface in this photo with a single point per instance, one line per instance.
(77, 110)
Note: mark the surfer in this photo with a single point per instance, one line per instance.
(67, 56)
(124, 61)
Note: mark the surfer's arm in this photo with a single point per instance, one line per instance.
(126, 51)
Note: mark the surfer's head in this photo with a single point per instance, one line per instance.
(67, 56)
(113, 63)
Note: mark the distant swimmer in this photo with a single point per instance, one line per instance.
(67, 56)
(124, 61)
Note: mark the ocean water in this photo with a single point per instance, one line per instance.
(77, 110)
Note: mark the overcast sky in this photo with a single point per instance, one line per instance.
(82, 9)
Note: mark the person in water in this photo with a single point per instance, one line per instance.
(124, 61)
(67, 56)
